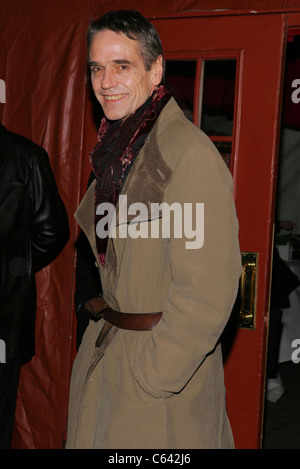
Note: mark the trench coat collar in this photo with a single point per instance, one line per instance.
(146, 181)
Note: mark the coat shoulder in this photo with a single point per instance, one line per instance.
(181, 141)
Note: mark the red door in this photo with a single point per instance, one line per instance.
(227, 72)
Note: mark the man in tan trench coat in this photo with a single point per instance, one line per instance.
(161, 221)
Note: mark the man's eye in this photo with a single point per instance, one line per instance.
(96, 69)
(124, 67)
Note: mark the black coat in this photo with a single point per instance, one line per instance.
(34, 229)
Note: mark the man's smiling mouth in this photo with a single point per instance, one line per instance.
(114, 97)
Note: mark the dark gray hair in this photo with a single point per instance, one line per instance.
(135, 26)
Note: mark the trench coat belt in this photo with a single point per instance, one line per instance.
(130, 321)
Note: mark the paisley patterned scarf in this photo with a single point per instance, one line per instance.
(119, 143)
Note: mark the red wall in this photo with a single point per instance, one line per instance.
(42, 62)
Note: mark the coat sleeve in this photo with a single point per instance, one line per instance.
(204, 280)
(49, 225)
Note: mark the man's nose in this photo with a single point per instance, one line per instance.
(108, 79)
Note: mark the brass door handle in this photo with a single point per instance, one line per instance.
(248, 290)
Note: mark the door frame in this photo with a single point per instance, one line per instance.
(245, 378)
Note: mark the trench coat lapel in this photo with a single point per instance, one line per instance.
(148, 178)
(146, 183)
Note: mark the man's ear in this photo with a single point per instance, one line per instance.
(157, 71)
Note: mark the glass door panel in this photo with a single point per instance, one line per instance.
(180, 76)
(205, 91)
(218, 97)
(218, 104)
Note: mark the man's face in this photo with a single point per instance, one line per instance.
(119, 78)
